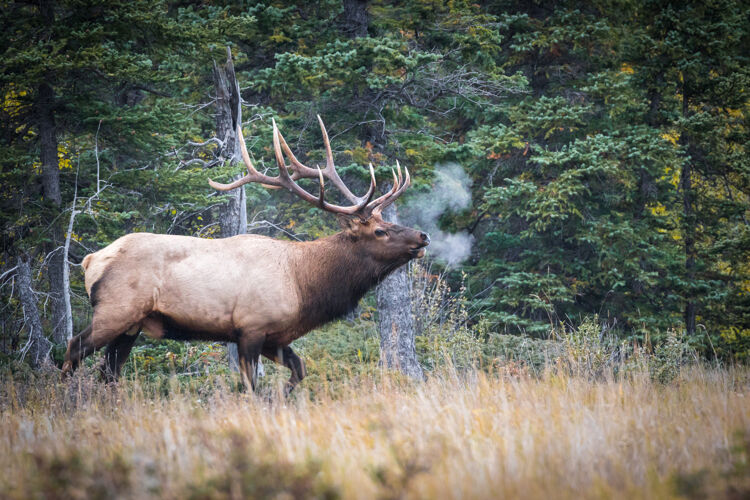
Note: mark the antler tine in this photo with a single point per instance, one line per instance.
(326, 143)
(300, 171)
(377, 201)
(371, 191)
(252, 174)
(399, 186)
(406, 183)
(246, 158)
(243, 151)
(283, 172)
(322, 188)
(330, 169)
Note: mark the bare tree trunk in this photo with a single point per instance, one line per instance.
(66, 267)
(395, 320)
(38, 345)
(233, 214)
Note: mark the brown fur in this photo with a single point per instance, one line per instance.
(258, 292)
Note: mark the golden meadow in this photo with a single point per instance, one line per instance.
(505, 432)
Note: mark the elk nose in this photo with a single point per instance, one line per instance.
(425, 237)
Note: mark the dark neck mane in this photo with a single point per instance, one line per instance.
(333, 274)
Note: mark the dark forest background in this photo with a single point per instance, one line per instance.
(605, 141)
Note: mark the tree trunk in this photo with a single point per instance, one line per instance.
(58, 290)
(355, 18)
(689, 223)
(66, 267)
(45, 110)
(38, 346)
(45, 105)
(233, 214)
(395, 320)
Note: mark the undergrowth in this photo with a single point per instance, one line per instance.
(460, 434)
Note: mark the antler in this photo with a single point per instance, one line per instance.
(362, 206)
(400, 184)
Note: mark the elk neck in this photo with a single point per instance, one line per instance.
(333, 275)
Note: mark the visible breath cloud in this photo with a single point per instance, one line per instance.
(451, 191)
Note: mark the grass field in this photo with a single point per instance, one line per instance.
(503, 435)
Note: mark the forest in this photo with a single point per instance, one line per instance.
(579, 326)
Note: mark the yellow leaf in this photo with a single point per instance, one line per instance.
(672, 137)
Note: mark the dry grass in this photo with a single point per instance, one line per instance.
(476, 436)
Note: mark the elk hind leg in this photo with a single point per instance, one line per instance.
(116, 354)
(79, 348)
(108, 324)
(287, 357)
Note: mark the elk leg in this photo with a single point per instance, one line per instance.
(79, 348)
(109, 323)
(287, 357)
(249, 352)
(115, 356)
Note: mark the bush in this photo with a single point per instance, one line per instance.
(444, 336)
(669, 356)
(534, 354)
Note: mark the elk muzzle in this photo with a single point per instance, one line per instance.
(418, 251)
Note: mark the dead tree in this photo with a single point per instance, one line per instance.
(395, 320)
(228, 109)
(37, 347)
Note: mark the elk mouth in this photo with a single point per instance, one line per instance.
(418, 251)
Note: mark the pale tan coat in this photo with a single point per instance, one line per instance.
(242, 283)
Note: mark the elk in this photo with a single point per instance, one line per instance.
(259, 292)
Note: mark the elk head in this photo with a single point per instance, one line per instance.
(362, 221)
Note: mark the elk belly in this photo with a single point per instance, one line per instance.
(153, 326)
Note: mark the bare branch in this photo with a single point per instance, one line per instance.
(212, 140)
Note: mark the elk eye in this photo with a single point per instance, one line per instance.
(380, 232)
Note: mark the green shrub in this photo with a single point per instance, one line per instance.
(669, 356)
(444, 336)
(527, 351)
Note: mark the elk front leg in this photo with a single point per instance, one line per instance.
(249, 351)
(287, 357)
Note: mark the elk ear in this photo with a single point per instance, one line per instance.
(350, 223)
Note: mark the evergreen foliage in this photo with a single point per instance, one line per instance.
(606, 141)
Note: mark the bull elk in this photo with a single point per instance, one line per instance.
(259, 292)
